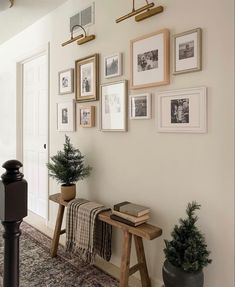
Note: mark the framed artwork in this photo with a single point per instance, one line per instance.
(113, 65)
(66, 116)
(188, 51)
(183, 111)
(66, 82)
(140, 106)
(87, 78)
(87, 116)
(114, 106)
(150, 60)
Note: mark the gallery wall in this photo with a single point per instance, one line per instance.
(164, 171)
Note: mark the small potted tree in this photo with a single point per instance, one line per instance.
(67, 167)
(186, 254)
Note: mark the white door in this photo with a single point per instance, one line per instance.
(35, 133)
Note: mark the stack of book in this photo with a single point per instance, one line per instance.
(130, 213)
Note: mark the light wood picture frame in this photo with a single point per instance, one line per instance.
(87, 78)
(150, 60)
(113, 65)
(182, 111)
(113, 106)
(66, 82)
(187, 51)
(140, 106)
(87, 116)
(66, 116)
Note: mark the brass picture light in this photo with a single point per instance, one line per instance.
(81, 39)
(149, 12)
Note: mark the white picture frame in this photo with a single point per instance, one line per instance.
(113, 106)
(66, 82)
(150, 60)
(187, 51)
(113, 65)
(140, 106)
(182, 111)
(66, 116)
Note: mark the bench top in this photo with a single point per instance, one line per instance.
(144, 230)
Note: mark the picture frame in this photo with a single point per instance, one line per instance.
(187, 51)
(183, 111)
(150, 60)
(113, 106)
(140, 106)
(66, 116)
(113, 65)
(87, 116)
(66, 82)
(87, 78)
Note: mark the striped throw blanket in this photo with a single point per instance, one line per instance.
(85, 234)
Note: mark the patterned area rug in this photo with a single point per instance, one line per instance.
(38, 269)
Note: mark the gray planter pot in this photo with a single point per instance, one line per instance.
(176, 277)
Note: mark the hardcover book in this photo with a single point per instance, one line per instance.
(123, 220)
(131, 218)
(131, 208)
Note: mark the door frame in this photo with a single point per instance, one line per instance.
(20, 61)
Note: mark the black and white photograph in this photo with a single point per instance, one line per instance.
(140, 106)
(147, 61)
(113, 65)
(66, 116)
(87, 78)
(66, 82)
(87, 116)
(186, 50)
(180, 111)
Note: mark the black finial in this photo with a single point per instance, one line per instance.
(12, 171)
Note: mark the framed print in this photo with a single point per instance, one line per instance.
(66, 116)
(140, 106)
(188, 51)
(87, 116)
(150, 60)
(113, 65)
(114, 106)
(183, 111)
(87, 78)
(66, 82)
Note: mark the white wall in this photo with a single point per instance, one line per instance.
(162, 171)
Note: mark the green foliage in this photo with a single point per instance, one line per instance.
(67, 166)
(187, 250)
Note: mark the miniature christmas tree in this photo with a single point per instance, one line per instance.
(188, 250)
(67, 166)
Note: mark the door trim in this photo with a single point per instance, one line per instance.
(20, 61)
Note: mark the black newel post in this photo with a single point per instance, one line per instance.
(13, 208)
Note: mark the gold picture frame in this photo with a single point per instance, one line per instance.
(150, 65)
(87, 78)
(188, 51)
(87, 116)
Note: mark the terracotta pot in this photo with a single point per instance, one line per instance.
(68, 192)
(176, 277)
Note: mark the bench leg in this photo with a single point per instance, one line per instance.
(142, 261)
(125, 260)
(56, 236)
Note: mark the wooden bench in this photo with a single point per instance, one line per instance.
(146, 231)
